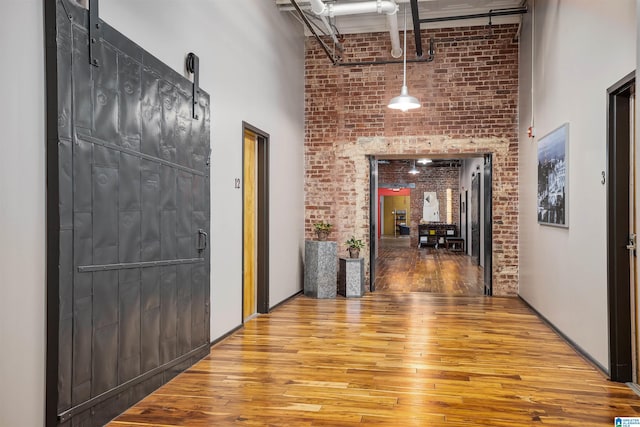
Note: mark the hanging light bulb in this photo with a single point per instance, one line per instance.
(405, 102)
(413, 170)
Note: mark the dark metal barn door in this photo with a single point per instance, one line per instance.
(128, 309)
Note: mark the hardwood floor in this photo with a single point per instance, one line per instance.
(390, 359)
(405, 268)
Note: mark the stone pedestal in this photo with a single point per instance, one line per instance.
(351, 278)
(320, 269)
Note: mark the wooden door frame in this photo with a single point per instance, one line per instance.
(618, 276)
(262, 212)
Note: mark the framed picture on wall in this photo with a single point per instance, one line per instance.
(553, 174)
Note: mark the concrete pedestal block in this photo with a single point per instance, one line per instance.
(320, 269)
(351, 277)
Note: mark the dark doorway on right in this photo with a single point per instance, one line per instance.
(621, 233)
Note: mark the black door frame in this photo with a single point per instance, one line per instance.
(476, 188)
(262, 213)
(618, 274)
(488, 224)
(53, 217)
(485, 193)
(373, 220)
(466, 221)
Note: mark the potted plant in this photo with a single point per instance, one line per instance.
(322, 229)
(354, 245)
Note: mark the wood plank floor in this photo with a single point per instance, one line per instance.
(404, 268)
(390, 359)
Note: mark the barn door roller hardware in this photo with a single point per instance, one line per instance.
(193, 66)
(95, 33)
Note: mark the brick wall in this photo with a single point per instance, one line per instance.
(469, 96)
(430, 179)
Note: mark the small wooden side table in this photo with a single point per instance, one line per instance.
(454, 244)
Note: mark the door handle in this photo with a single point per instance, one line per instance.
(632, 242)
(202, 240)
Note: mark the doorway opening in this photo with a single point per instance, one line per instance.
(423, 209)
(621, 230)
(255, 220)
(394, 205)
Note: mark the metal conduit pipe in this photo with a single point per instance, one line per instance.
(319, 8)
(389, 7)
(326, 23)
(310, 27)
(490, 14)
(416, 27)
(392, 22)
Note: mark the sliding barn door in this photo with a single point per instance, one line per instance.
(132, 296)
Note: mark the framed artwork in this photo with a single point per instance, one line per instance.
(553, 174)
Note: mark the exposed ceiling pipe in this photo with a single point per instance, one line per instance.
(330, 31)
(392, 22)
(490, 14)
(416, 27)
(319, 8)
(389, 7)
(310, 27)
(428, 58)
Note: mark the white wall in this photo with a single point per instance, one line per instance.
(252, 65)
(22, 214)
(582, 47)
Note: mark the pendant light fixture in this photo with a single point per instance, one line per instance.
(405, 102)
(413, 170)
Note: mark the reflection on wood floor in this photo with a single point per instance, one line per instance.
(405, 268)
(390, 359)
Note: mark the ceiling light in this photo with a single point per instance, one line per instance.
(413, 170)
(424, 161)
(405, 102)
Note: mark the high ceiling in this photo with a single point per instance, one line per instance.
(427, 9)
